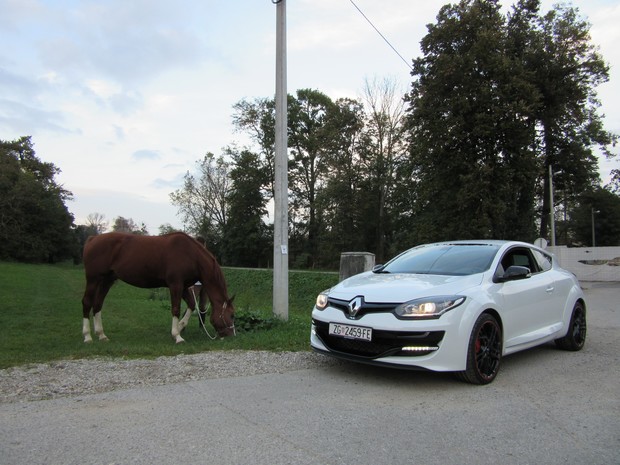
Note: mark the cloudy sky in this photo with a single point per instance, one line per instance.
(125, 96)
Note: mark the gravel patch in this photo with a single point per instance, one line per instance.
(91, 376)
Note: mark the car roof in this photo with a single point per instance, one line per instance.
(494, 242)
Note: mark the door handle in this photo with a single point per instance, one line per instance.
(549, 290)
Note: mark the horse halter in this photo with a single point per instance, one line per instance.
(232, 326)
(221, 317)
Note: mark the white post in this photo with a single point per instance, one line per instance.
(280, 226)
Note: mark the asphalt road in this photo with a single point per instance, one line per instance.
(546, 407)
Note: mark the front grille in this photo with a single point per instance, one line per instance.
(367, 307)
(383, 344)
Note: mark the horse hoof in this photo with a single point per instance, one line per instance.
(180, 340)
(104, 339)
(88, 341)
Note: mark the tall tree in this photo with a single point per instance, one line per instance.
(35, 224)
(472, 162)
(310, 131)
(567, 69)
(382, 151)
(340, 202)
(247, 239)
(202, 201)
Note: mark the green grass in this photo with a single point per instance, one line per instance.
(41, 316)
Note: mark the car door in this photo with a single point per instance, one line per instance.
(526, 302)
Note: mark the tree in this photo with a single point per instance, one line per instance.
(567, 69)
(166, 228)
(247, 239)
(596, 220)
(472, 167)
(128, 225)
(35, 224)
(202, 201)
(96, 223)
(495, 103)
(382, 151)
(340, 202)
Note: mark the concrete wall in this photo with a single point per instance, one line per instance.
(352, 263)
(590, 263)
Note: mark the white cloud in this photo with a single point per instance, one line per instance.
(96, 83)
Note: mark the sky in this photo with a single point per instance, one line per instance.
(126, 96)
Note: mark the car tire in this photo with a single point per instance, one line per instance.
(484, 351)
(575, 338)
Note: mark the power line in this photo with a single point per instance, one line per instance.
(382, 36)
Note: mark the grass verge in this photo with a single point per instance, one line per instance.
(41, 316)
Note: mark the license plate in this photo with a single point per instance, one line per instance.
(350, 332)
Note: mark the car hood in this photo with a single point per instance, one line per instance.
(401, 287)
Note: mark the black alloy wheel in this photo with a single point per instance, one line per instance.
(484, 353)
(575, 338)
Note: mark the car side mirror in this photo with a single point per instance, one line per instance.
(515, 272)
(377, 268)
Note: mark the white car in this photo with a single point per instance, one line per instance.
(452, 306)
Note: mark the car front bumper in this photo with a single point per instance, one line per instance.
(438, 345)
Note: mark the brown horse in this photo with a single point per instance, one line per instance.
(175, 261)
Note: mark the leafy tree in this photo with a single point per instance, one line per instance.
(202, 201)
(128, 225)
(598, 210)
(35, 225)
(472, 168)
(166, 228)
(247, 239)
(567, 68)
(614, 184)
(339, 202)
(495, 102)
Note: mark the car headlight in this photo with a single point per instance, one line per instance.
(321, 301)
(428, 307)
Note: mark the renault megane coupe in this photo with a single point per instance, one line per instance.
(452, 306)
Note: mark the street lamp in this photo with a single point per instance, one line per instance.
(593, 229)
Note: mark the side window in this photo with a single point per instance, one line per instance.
(520, 257)
(544, 260)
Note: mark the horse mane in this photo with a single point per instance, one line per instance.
(217, 276)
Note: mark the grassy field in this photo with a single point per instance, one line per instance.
(41, 316)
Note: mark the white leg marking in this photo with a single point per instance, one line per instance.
(185, 319)
(99, 327)
(176, 334)
(86, 330)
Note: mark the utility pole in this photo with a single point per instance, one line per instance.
(551, 207)
(280, 226)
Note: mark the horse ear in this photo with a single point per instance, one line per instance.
(230, 301)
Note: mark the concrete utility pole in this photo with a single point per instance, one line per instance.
(551, 207)
(280, 226)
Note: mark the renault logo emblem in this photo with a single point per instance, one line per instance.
(355, 305)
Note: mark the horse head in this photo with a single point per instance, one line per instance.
(223, 318)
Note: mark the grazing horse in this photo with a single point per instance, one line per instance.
(175, 261)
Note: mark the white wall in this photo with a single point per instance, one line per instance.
(601, 263)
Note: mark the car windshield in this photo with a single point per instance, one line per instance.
(444, 259)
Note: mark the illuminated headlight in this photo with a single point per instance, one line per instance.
(428, 307)
(321, 301)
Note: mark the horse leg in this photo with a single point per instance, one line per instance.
(87, 305)
(175, 300)
(102, 291)
(188, 297)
